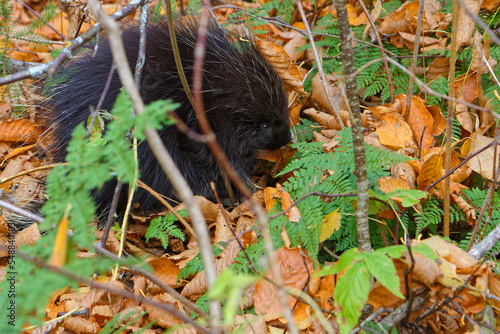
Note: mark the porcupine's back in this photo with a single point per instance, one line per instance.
(244, 100)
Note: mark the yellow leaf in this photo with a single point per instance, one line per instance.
(60, 249)
(331, 223)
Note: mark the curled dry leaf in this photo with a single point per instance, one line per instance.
(103, 297)
(406, 172)
(293, 214)
(20, 130)
(425, 270)
(249, 323)
(325, 293)
(130, 313)
(466, 88)
(409, 40)
(439, 67)
(466, 208)
(319, 97)
(439, 122)
(295, 269)
(482, 62)
(280, 60)
(482, 163)
(490, 5)
(162, 318)
(494, 286)
(450, 252)
(81, 325)
(198, 286)
(467, 24)
(325, 120)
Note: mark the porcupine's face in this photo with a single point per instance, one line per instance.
(267, 118)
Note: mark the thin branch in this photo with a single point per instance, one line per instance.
(154, 140)
(50, 68)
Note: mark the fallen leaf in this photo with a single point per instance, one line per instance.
(482, 163)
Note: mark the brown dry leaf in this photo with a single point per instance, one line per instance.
(271, 195)
(295, 114)
(439, 122)
(402, 19)
(388, 184)
(209, 209)
(326, 290)
(481, 55)
(482, 163)
(354, 18)
(302, 315)
(19, 150)
(379, 111)
(409, 40)
(162, 318)
(380, 296)
(29, 236)
(249, 323)
(450, 252)
(130, 313)
(439, 67)
(494, 286)
(222, 227)
(323, 119)
(293, 214)
(295, 269)
(295, 40)
(280, 61)
(430, 172)
(490, 5)
(425, 270)
(318, 96)
(60, 249)
(20, 130)
(471, 301)
(198, 286)
(420, 120)
(467, 24)
(331, 223)
(102, 297)
(466, 88)
(466, 208)
(81, 325)
(406, 172)
(165, 270)
(395, 133)
(377, 9)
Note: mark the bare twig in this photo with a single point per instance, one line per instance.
(449, 121)
(416, 46)
(155, 142)
(356, 127)
(321, 72)
(21, 212)
(51, 67)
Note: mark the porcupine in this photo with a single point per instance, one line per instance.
(243, 96)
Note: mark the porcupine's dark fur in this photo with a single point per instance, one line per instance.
(244, 99)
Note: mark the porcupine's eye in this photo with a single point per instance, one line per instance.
(264, 125)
